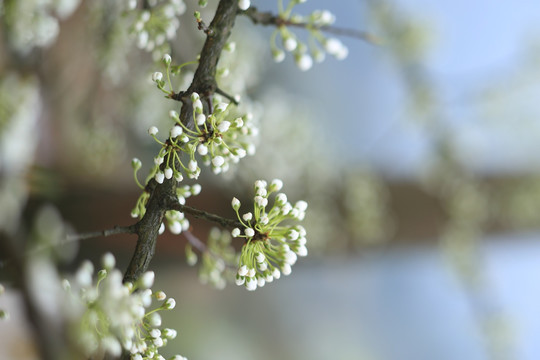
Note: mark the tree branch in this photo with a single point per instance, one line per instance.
(270, 19)
(201, 214)
(205, 84)
(104, 233)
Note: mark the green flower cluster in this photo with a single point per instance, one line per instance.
(271, 246)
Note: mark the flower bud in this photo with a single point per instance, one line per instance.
(166, 59)
(235, 203)
(153, 130)
(136, 164)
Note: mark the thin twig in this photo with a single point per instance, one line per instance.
(229, 97)
(195, 242)
(201, 214)
(104, 233)
(270, 19)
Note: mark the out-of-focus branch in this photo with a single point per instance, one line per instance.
(104, 233)
(270, 19)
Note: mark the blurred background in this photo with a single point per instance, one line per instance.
(417, 155)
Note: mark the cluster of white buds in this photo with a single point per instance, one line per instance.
(271, 247)
(317, 46)
(175, 220)
(118, 317)
(216, 138)
(218, 259)
(156, 24)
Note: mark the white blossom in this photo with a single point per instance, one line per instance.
(176, 131)
(244, 4)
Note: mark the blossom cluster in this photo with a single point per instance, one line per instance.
(156, 24)
(217, 260)
(33, 23)
(116, 316)
(318, 45)
(219, 138)
(271, 247)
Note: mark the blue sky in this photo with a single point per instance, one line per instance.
(473, 47)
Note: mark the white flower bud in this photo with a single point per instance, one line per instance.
(168, 173)
(251, 284)
(176, 131)
(147, 280)
(238, 122)
(108, 261)
(302, 250)
(221, 107)
(235, 232)
(235, 203)
(170, 304)
(281, 199)
(261, 201)
(244, 4)
(166, 59)
(263, 266)
(290, 43)
(260, 257)
(261, 282)
(196, 189)
(202, 149)
(333, 46)
(179, 177)
(223, 126)
(278, 55)
(158, 160)
(293, 234)
(286, 269)
(276, 185)
(197, 105)
(136, 163)
(286, 209)
(200, 119)
(304, 62)
(290, 257)
(175, 227)
(153, 130)
(161, 229)
(160, 177)
(251, 272)
(155, 333)
(243, 270)
(192, 165)
(249, 232)
(241, 153)
(301, 205)
(247, 216)
(240, 280)
(194, 96)
(218, 161)
(260, 184)
(160, 295)
(157, 76)
(159, 343)
(155, 320)
(169, 333)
